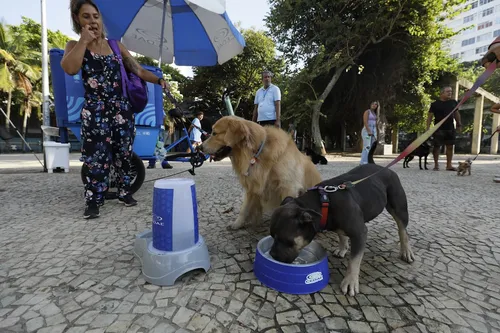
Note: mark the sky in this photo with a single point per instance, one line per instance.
(250, 13)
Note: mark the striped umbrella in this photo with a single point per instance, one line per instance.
(187, 32)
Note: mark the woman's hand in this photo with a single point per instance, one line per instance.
(164, 84)
(87, 35)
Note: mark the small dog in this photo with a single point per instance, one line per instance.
(295, 223)
(422, 151)
(316, 158)
(463, 167)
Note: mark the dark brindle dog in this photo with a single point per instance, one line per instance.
(295, 223)
(422, 151)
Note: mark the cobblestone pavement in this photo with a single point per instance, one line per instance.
(60, 273)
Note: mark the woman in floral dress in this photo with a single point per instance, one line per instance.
(108, 128)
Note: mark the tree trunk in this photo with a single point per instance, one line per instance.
(9, 104)
(315, 130)
(27, 111)
(381, 125)
(395, 139)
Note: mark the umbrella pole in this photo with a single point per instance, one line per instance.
(162, 31)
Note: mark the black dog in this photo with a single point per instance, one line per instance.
(295, 223)
(422, 151)
(316, 158)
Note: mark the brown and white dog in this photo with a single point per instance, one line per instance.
(267, 162)
(463, 167)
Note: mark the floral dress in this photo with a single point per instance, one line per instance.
(108, 129)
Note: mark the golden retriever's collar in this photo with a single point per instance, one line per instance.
(255, 157)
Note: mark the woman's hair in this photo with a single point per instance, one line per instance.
(75, 6)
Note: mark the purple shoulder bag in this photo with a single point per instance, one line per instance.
(134, 88)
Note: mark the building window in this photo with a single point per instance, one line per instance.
(484, 2)
(488, 11)
(482, 49)
(474, 5)
(455, 56)
(496, 33)
(484, 37)
(484, 25)
(469, 18)
(469, 41)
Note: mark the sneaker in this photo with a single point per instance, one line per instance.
(151, 166)
(128, 200)
(91, 211)
(496, 179)
(166, 165)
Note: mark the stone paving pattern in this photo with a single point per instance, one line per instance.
(60, 273)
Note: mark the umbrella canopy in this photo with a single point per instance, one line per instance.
(181, 29)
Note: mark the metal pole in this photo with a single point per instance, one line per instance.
(162, 31)
(45, 73)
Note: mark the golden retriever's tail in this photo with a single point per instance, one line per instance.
(372, 151)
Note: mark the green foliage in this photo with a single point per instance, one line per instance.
(387, 50)
(242, 75)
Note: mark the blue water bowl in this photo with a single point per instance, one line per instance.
(307, 274)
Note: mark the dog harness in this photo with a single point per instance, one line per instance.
(255, 157)
(324, 192)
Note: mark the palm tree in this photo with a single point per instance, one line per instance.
(18, 66)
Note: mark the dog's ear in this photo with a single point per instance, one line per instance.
(236, 132)
(287, 200)
(309, 215)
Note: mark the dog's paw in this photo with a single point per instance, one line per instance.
(339, 253)
(350, 285)
(234, 226)
(407, 255)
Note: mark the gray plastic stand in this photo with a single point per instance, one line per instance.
(163, 268)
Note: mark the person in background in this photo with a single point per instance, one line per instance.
(445, 135)
(369, 131)
(195, 131)
(108, 126)
(267, 103)
(160, 151)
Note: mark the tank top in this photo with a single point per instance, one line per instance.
(101, 77)
(372, 118)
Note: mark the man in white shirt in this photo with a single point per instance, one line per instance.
(267, 110)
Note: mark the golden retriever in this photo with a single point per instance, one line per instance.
(268, 177)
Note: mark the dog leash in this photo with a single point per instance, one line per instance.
(421, 139)
(491, 137)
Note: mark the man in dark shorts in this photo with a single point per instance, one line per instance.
(445, 135)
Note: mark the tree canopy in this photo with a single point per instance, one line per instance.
(388, 50)
(240, 75)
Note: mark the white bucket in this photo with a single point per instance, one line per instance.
(56, 155)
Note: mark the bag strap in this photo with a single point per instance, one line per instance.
(116, 50)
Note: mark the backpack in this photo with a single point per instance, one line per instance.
(134, 88)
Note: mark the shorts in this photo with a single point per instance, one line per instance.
(444, 137)
(267, 122)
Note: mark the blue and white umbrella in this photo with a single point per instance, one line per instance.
(189, 32)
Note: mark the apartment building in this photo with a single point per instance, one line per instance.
(482, 21)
